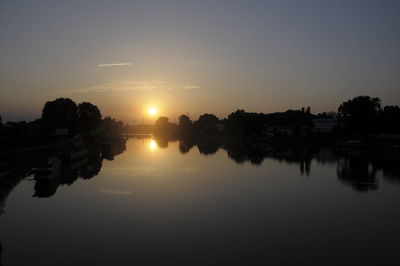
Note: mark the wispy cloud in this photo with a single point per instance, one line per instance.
(128, 86)
(124, 86)
(115, 192)
(191, 87)
(115, 64)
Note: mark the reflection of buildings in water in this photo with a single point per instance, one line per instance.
(48, 169)
(355, 171)
(85, 167)
(17, 169)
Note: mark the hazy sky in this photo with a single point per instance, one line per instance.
(197, 56)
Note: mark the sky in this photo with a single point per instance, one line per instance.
(196, 56)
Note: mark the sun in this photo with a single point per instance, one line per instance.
(152, 111)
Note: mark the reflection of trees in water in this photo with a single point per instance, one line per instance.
(45, 189)
(360, 172)
(185, 146)
(207, 148)
(12, 171)
(241, 153)
(305, 167)
(392, 174)
(390, 169)
(357, 172)
(162, 143)
(112, 149)
(255, 154)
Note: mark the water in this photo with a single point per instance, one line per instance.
(167, 204)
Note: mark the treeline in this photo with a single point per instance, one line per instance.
(364, 115)
(61, 117)
(238, 122)
(360, 116)
(81, 118)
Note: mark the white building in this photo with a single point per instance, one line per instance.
(324, 125)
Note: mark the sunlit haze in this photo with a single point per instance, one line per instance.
(153, 111)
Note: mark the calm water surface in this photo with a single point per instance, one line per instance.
(178, 206)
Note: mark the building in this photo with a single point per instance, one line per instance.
(324, 125)
(277, 131)
(62, 132)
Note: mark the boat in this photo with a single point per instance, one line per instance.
(48, 170)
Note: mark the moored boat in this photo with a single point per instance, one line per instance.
(48, 170)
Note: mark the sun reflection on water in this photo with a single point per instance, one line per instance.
(153, 145)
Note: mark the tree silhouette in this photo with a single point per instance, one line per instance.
(164, 128)
(162, 125)
(162, 122)
(242, 122)
(360, 114)
(111, 127)
(185, 124)
(246, 123)
(207, 123)
(184, 121)
(390, 119)
(61, 112)
(89, 116)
